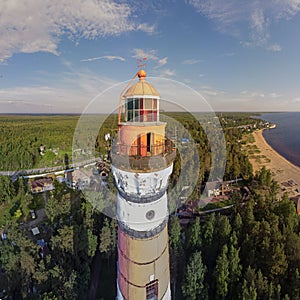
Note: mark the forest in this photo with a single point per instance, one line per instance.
(254, 253)
(251, 253)
(74, 232)
(22, 136)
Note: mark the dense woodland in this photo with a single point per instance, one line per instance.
(74, 231)
(251, 253)
(22, 136)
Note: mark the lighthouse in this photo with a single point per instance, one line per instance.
(142, 161)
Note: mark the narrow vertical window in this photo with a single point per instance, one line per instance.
(154, 103)
(152, 290)
(148, 142)
(148, 103)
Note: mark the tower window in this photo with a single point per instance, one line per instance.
(152, 290)
(150, 214)
(141, 110)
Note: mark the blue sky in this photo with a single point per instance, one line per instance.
(57, 55)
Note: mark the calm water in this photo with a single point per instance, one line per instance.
(285, 138)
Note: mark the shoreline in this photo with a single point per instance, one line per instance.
(283, 171)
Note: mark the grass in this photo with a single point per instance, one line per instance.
(215, 205)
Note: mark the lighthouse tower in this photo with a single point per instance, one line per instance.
(142, 160)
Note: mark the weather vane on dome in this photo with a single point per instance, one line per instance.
(141, 62)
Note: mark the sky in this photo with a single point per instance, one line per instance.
(56, 56)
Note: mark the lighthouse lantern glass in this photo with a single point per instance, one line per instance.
(141, 110)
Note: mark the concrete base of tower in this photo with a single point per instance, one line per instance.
(167, 295)
(119, 294)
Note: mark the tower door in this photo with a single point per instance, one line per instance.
(142, 145)
(144, 142)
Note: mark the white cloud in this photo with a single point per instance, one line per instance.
(255, 94)
(149, 55)
(274, 95)
(71, 92)
(248, 100)
(140, 53)
(208, 91)
(150, 29)
(249, 21)
(191, 61)
(37, 99)
(38, 25)
(161, 62)
(77, 90)
(275, 48)
(295, 100)
(167, 73)
(108, 57)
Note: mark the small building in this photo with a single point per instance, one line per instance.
(35, 231)
(213, 188)
(77, 179)
(42, 185)
(216, 188)
(103, 169)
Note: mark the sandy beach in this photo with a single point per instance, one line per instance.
(284, 172)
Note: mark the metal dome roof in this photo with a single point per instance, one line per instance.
(142, 87)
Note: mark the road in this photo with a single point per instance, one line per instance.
(40, 171)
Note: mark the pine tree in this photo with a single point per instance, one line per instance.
(249, 291)
(235, 268)
(193, 287)
(106, 239)
(261, 283)
(208, 230)
(195, 236)
(176, 250)
(221, 274)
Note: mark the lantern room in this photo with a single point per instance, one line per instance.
(141, 134)
(141, 101)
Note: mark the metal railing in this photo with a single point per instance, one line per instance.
(131, 158)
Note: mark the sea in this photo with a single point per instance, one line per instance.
(285, 137)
